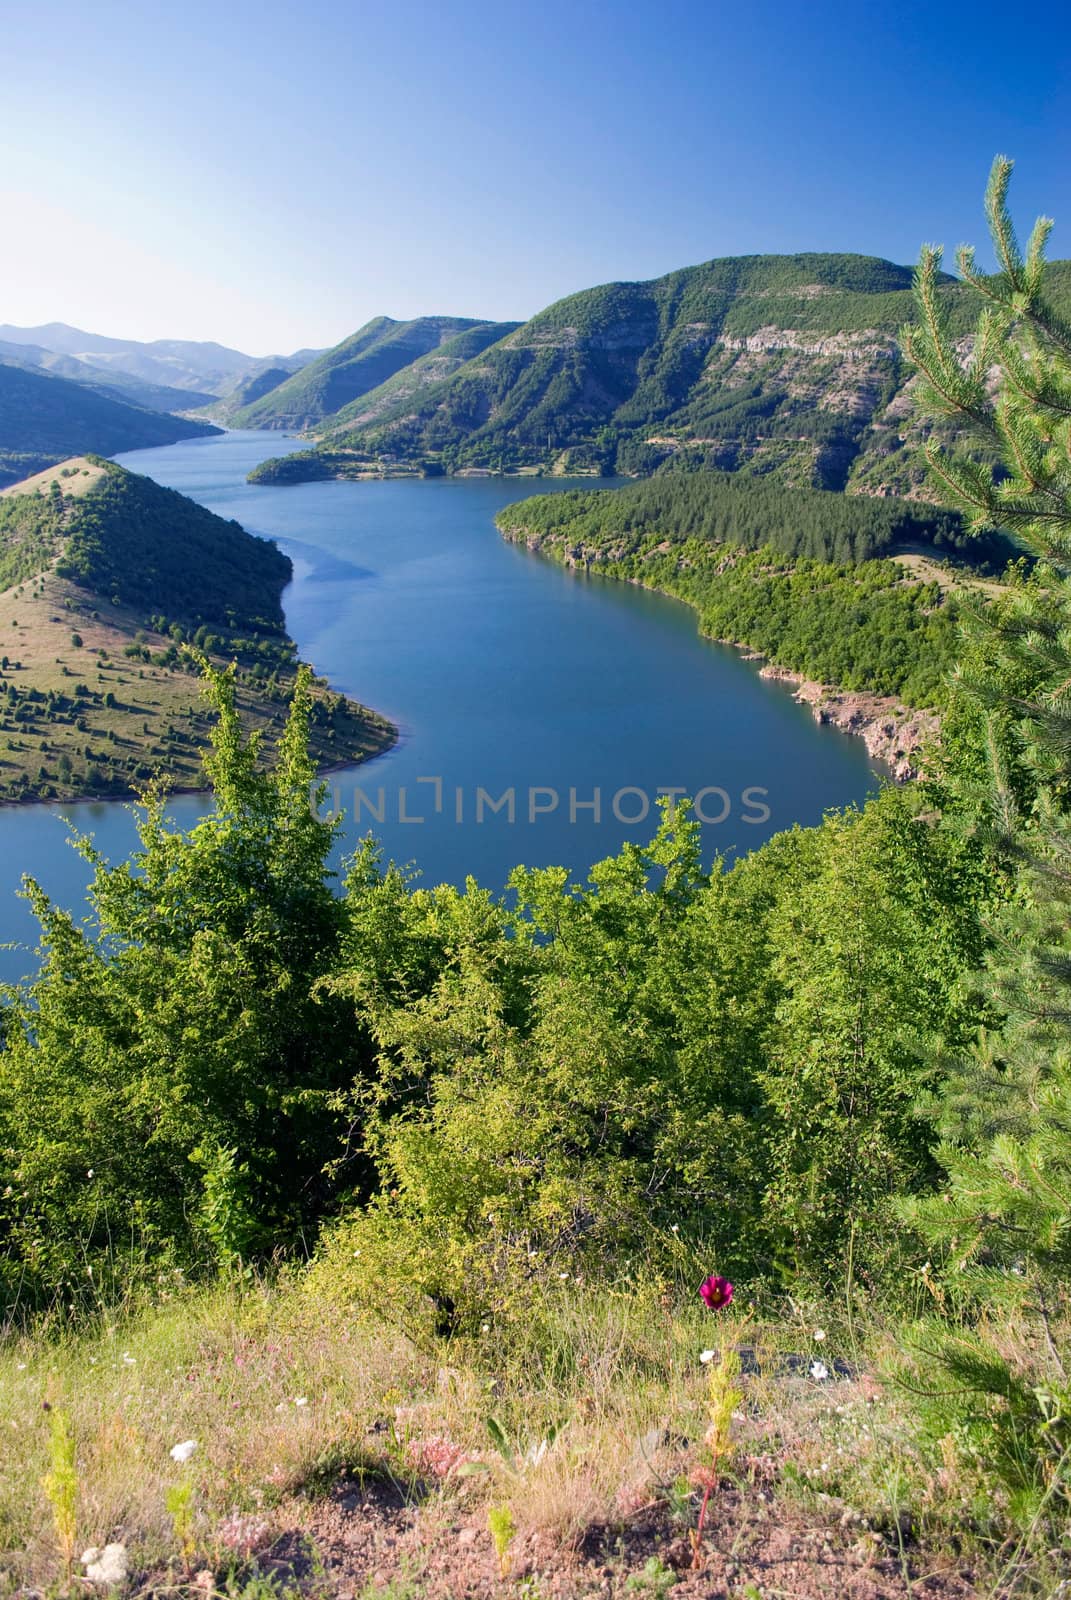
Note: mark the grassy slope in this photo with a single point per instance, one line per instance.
(58, 742)
(360, 363)
(323, 1429)
(45, 420)
(784, 364)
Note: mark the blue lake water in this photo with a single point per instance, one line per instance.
(540, 711)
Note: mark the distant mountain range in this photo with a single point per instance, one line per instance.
(118, 385)
(205, 369)
(783, 365)
(108, 395)
(44, 419)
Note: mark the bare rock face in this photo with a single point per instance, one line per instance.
(894, 734)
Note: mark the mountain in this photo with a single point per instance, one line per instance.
(438, 364)
(788, 365)
(104, 577)
(367, 359)
(117, 385)
(205, 367)
(254, 388)
(44, 420)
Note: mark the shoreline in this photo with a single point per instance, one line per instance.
(892, 732)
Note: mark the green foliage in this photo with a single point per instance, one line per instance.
(503, 1532)
(180, 1508)
(764, 363)
(718, 508)
(1002, 1229)
(60, 1485)
(366, 360)
(661, 1061)
(150, 547)
(653, 1578)
(180, 1025)
(30, 535)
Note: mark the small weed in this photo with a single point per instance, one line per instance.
(60, 1484)
(179, 1504)
(653, 1579)
(503, 1532)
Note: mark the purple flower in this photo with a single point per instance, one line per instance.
(715, 1292)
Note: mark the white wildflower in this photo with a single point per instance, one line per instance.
(485, 1327)
(182, 1452)
(128, 1359)
(819, 1370)
(301, 1401)
(106, 1566)
(819, 1335)
(707, 1356)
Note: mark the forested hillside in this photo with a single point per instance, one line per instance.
(724, 508)
(358, 365)
(789, 365)
(45, 420)
(113, 589)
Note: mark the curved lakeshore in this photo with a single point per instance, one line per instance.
(893, 733)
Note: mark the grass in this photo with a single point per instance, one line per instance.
(158, 722)
(591, 1421)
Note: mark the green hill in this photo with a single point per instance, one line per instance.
(762, 364)
(353, 368)
(45, 419)
(105, 577)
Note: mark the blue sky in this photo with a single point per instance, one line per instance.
(272, 176)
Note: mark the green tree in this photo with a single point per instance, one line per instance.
(166, 1083)
(1003, 1225)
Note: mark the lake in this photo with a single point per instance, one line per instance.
(540, 711)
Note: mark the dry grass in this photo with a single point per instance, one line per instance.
(286, 1392)
(159, 718)
(74, 477)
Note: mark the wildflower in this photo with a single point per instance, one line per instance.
(819, 1371)
(485, 1327)
(182, 1452)
(301, 1401)
(715, 1292)
(707, 1356)
(89, 1174)
(819, 1335)
(675, 1227)
(106, 1566)
(128, 1359)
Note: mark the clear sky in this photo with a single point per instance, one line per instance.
(273, 175)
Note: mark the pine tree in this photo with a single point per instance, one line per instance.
(1003, 1224)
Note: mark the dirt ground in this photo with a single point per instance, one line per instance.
(360, 1540)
